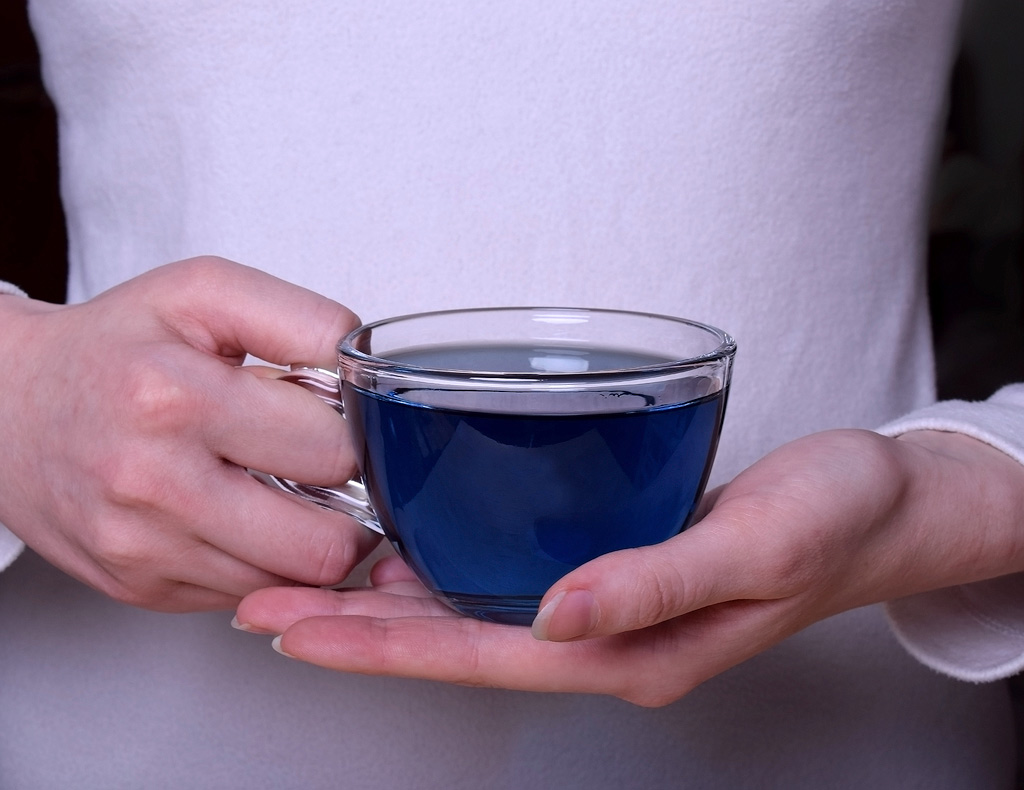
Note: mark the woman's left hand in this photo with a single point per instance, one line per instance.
(829, 522)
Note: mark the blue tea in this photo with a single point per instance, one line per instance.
(491, 498)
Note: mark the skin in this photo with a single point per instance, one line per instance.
(827, 523)
(104, 394)
(131, 421)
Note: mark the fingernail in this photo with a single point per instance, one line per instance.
(569, 615)
(249, 628)
(276, 644)
(240, 626)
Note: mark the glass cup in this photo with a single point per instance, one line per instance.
(500, 448)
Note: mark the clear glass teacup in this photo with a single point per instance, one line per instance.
(500, 448)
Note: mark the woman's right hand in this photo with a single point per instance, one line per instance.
(127, 424)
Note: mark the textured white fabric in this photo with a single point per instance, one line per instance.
(11, 288)
(973, 632)
(10, 547)
(719, 165)
(762, 168)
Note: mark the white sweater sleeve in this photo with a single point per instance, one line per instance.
(972, 632)
(10, 546)
(8, 288)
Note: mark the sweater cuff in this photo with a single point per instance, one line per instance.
(10, 547)
(10, 288)
(972, 632)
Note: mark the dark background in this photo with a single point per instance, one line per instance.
(976, 254)
(32, 240)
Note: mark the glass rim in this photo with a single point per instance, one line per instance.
(346, 349)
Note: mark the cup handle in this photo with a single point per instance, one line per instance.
(349, 498)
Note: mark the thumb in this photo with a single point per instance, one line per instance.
(636, 588)
(230, 310)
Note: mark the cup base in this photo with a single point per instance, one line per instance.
(506, 610)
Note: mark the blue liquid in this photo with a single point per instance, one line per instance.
(490, 509)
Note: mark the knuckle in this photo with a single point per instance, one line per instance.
(118, 550)
(129, 569)
(121, 580)
(649, 699)
(129, 596)
(178, 285)
(126, 583)
(339, 463)
(191, 283)
(469, 666)
(131, 483)
(156, 598)
(642, 692)
(659, 679)
(661, 591)
(327, 312)
(157, 398)
(205, 271)
(333, 556)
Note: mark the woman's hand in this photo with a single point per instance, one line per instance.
(126, 425)
(830, 522)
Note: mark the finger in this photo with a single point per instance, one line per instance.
(463, 651)
(255, 421)
(182, 598)
(650, 667)
(271, 610)
(710, 563)
(393, 569)
(277, 427)
(230, 310)
(274, 609)
(186, 566)
(265, 371)
(281, 533)
(451, 649)
(162, 594)
(215, 570)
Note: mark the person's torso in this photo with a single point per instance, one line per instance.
(760, 168)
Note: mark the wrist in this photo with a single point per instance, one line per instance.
(977, 487)
(20, 328)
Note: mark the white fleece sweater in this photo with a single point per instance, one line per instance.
(761, 168)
